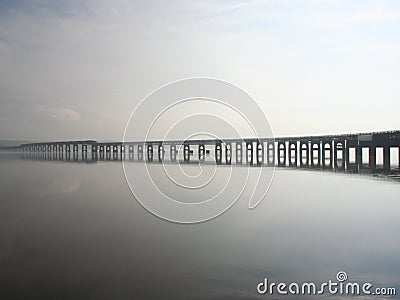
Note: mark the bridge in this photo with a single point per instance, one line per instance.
(341, 151)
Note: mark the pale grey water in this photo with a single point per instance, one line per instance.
(74, 231)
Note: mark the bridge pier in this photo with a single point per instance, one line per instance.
(228, 153)
(161, 152)
(339, 146)
(386, 157)
(239, 153)
(218, 152)
(315, 147)
(249, 152)
(260, 153)
(281, 154)
(292, 153)
(372, 156)
(271, 153)
(359, 154)
(149, 152)
(186, 152)
(330, 151)
(201, 152)
(172, 152)
(304, 148)
(131, 149)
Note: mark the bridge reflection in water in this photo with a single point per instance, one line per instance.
(366, 153)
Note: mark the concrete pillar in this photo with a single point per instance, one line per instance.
(160, 152)
(339, 146)
(386, 157)
(304, 147)
(271, 153)
(228, 153)
(358, 154)
(260, 153)
(249, 153)
(281, 154)
(172, 152)
(140, 152)
(239, 152)
(315, 147)
(218, 152)
(372, 156)
(347, 154)
(149, 152)
(186, 152)
(202, 152)
(293, 150)
(323, 152)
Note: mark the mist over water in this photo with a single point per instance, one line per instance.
(75, 231)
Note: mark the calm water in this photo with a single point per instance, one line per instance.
(74, 231)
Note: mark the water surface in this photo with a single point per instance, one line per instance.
(74, 231)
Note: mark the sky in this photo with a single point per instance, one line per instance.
(77, 69)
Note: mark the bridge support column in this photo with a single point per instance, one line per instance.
(372, 156)
(140, 152)
(149, 152)
(339, 146)
(186, 152)
(249, 153)
(347, 154)
(239, 153)
(172, 152)
(271, 153)
(304, 147)
(386, 157)
(281, 154)
(324, 150)
(160, 152)
(202, 152)
(315, 147)
(260, 153)
(228, 153)
(358, 154)
(218, 152)
(293, 153)
(131, 149)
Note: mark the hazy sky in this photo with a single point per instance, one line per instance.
(76, 69)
